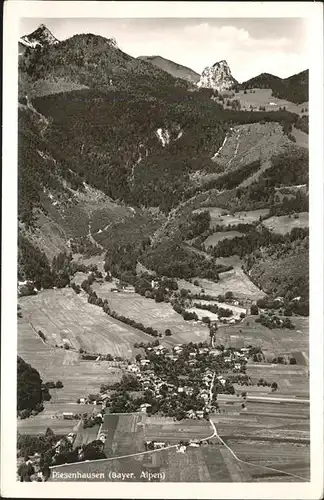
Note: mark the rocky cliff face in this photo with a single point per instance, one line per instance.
(217, 77)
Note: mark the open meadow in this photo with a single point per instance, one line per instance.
(235, 281)
(285, 223)
(272, 341)
(80, 378)
(222, 217)
(237, 310)
(263, 97)
(150, 313)
(66, 318)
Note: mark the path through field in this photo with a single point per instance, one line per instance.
(250, 463)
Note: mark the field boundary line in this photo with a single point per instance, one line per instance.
(250, 463)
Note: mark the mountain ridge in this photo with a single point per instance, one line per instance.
(175, 69)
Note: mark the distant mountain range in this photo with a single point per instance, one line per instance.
(217, 76)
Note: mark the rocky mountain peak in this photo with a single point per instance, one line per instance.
(40, 37)
(217, 77)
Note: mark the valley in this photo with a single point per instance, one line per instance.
(163, 288)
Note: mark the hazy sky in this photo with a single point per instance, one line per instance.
(250, 46)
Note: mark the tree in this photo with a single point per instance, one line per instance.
(138, 357)
(29, 386)
(274, 386)
(254, 310)
(292, 361)
(25, 470)
(168, 332)
(229, 295)
(59, 384)
(159, 295)
(212, 332)
(49, 434)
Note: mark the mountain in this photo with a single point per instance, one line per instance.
(40, 37)
(293, 88)
(217, 77)
(176, 70)
(92, 61)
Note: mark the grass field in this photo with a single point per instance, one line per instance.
(52, 417)
(263, 97)
(125, 434)
(237, 310)
(63, 316)
(171, 432)
(292, 379)
(222, 217)
(285, 223)
(215, 238)
(273, 342)
(150, 313)
(98, 260)
(235, 281)
(79, 378)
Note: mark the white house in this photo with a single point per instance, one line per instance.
(68, 415)
(144, 407)
(145, 362)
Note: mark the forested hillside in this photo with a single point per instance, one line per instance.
(294, 88)
(98, 128)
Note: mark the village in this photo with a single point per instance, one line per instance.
(182, 383)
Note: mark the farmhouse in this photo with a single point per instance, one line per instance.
(215, 352)
(68, 415)
(158, 444)
(144, 407)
